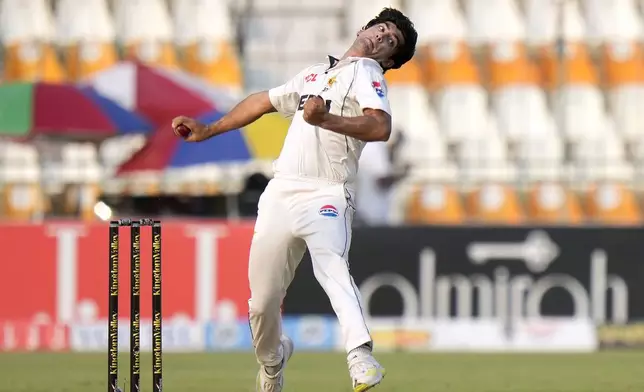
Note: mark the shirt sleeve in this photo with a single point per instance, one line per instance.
(371, 88)
(286, 98)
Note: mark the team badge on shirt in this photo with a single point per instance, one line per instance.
(329, 84)
(378, 87)
(329, 211)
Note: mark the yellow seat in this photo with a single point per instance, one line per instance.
(159, 54)
(623, 63)
(553, 203)
(80, 199)
(509, 65)
(434, 204)
(448, 63)
(495, 204)
(82, 60)
(410, 73)
(32, 61)
(613, 203)
(215, 62)
(577, 66)
(22, 202)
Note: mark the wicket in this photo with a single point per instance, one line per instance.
(135, 304)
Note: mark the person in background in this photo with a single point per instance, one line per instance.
(377, 177)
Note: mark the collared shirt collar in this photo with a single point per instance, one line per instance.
(334, 61)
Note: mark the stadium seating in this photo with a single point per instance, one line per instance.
(28, 36)
(511, 111)
(204, 33)
(20, 182)
(144, 28)
(85, 32)
(552, 203)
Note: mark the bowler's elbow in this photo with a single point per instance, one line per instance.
(262, 102)
(382, 129)
(383, 133)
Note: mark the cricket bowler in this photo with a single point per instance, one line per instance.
(336, 108)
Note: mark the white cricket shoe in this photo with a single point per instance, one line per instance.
(365, 372)
(275, 383)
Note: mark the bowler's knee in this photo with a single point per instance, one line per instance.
(261, 305)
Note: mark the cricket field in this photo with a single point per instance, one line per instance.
(316, 372)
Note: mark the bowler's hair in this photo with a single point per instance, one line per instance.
(405, 52)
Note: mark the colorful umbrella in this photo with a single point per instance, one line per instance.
(160, 94)
(126, 122)
(262, 140)
(33, 109)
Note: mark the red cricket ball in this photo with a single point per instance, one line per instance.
(183, 130)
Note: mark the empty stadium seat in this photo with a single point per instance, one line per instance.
(115, 151)
(543, 18)
(623, 63)
(434, 204)
(579, 110)
(144, 28)
(86, 35)
(636, 150)
(573, 66)
(462, 111)
(27, 31)
(553, 203)
(521, 111)
(540, 157)
(509, 65)
(142, 184)
(359, 12)
(602, 157)
(195, 181)
(494, 204)
(80, 173)
(413, 116)
(448, 64)
(560, 63)
(612, 21)
(626, 106)
(410, 73)
(613, 203)
(484, 159)
(20, 187)
(205, 34)
(439, 20)
(492, 21)
(80, 164)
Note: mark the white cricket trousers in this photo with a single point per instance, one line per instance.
(293, 215)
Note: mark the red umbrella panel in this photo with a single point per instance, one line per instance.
(33, 109)
(153, 92)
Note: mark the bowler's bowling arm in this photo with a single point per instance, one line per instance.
(249, 110)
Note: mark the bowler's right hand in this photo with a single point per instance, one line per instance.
(198, 131)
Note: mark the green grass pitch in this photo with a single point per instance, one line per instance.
(313, 372)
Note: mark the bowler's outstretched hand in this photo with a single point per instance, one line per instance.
(189, 129)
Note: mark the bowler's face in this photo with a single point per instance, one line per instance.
(380, 42)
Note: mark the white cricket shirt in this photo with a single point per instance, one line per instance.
(348, 86)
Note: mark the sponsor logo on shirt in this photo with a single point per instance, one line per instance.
(304, 98)
(378, 87)
(329, 211)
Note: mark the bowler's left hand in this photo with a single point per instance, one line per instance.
(315, 111)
